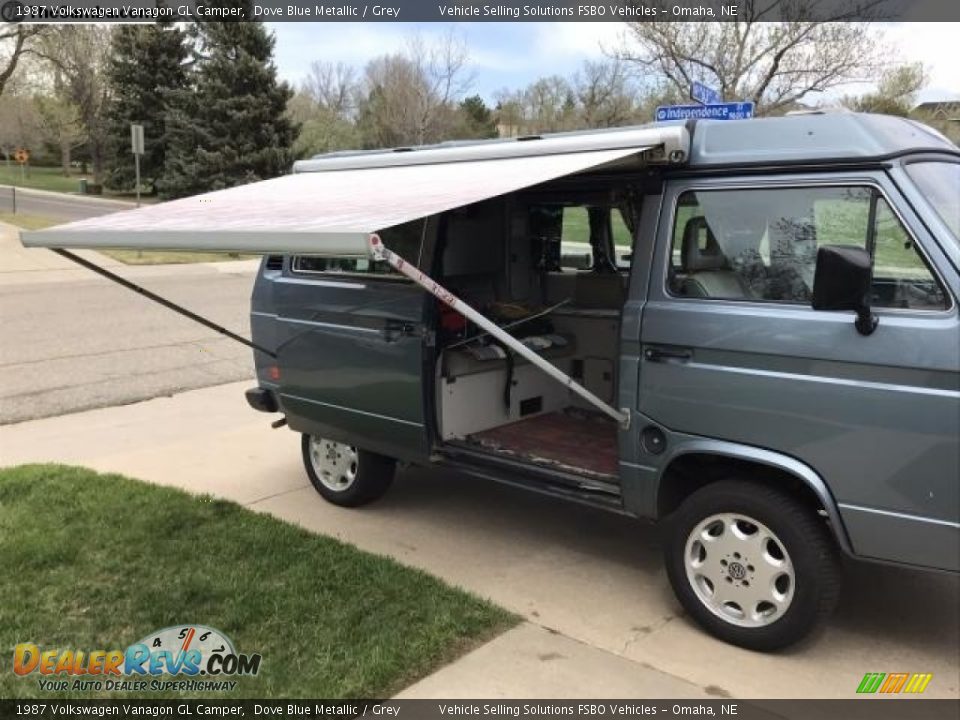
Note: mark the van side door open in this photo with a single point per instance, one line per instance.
(349, 335)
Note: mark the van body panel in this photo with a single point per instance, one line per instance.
(870, 424)
(878, 416)
(349, 352)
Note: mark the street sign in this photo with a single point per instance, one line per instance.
(136, 144)
(717, 111)
(704, 94)
(136, 139)
(22, 155)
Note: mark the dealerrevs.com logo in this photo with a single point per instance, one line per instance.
(203, 656)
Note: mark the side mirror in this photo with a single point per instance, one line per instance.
(842, 282)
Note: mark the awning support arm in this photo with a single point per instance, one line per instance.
(381, 252)
(157, 299)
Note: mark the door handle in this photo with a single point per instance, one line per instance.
(394, 329)
(655, 354)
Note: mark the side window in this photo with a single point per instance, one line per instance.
(575, 251)
(572, 224)
(405, 240)
(761, 245)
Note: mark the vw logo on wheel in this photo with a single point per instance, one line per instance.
(737, 571)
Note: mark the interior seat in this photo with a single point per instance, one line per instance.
(707, 272)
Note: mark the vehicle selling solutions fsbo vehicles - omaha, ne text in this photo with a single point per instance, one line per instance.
(746, 331)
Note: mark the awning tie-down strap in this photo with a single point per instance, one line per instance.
(162, 301)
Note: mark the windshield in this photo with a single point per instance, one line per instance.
(940, 184)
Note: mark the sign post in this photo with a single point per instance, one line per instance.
(22, 157)
(704, 94)
(717, 111)
(136, 143)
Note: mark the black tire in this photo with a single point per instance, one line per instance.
(370, 474)
(797, 528)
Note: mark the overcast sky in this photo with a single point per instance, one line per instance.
(513, 54)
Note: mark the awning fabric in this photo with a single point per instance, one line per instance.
(328, 213)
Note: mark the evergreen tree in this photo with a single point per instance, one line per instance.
(232, 128)
(478, 120)
(147, 63)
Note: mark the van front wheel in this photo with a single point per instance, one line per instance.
(751, 565)
(344, 475)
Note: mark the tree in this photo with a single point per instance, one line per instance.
(477, 120)
(77, 55)
(332, 87)
(896, 92)
(410, 98)
(147, 63)
(322, 129)
(606, 95)
(16, 41)
(773, 64)
(231, 127)
(61, 125)
(18, 123)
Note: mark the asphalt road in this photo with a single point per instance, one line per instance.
(71, 341)
(57, 206)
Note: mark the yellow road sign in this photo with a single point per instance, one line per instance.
(22, 155)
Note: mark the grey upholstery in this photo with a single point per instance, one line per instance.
(706, 269)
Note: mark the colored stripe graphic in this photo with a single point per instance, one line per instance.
(894, 682)
(870, 682)
(918, 682)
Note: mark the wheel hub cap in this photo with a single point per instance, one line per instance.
(335, 464)
(739, 569)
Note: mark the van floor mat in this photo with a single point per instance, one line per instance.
(572, 440)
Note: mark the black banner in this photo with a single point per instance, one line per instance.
(42, 11)
(858, 709)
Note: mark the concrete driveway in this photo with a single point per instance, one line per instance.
(591, 581)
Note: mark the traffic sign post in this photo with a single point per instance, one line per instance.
(704, 94)
(22, 156)
(715, 111)
(136, 144)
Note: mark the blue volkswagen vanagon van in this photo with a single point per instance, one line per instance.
(746, 331)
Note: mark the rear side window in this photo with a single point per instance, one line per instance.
(405, 240)
(761, 245)
(570, 225)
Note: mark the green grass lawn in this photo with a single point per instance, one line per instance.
(162, 257)
(40, 178)
(28, 222)
(97, 562)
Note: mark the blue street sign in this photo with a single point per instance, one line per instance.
(704, 94)
(719, 111)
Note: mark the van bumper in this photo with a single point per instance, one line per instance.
(262, 399)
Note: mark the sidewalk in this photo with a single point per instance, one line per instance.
(600, 618)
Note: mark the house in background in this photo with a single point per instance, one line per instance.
(944, 115)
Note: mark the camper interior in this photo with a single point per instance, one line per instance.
(551, 265)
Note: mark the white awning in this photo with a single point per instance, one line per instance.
(331, 212)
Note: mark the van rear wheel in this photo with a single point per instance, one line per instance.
(751, 564)
(343, 474)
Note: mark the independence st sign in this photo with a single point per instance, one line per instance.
(716, 111)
